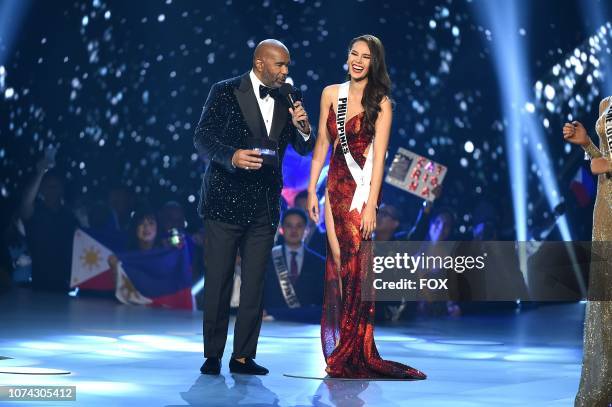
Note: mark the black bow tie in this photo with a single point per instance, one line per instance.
(265, 91)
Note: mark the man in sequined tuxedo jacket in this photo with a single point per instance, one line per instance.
(240, 196)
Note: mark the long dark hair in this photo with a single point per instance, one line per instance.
(143, 212)
(379, 83)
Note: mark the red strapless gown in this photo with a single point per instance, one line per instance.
(347, 330)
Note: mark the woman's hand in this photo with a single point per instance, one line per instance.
(368, 221)
(575, 133)
(312, 203)
(600, 165)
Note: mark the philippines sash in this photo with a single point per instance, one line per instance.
(280, 266)
(362, 176)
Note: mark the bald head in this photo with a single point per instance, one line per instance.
(266, 47)
(271, 62)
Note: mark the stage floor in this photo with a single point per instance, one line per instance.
(122, 355)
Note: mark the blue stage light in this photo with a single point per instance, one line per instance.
(523, 132)
(502, 20)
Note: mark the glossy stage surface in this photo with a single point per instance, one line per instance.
(121, 355)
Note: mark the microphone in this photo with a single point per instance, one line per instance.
(286, 91)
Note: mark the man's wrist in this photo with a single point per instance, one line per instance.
(305, 136)
(232, 159)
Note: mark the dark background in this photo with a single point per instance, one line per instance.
(123, 92)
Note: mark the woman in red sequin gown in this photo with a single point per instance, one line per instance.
(347, 331)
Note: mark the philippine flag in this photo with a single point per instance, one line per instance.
(158, 277)
(583, 186)
(90, 267)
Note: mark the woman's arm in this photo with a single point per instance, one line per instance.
(590, 148)
(320, 152)
(601, 165)
(575, 133)
(382, 130)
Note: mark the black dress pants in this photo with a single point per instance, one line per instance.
(222, 241)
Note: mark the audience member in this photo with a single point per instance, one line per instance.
(142, 234)
(173, 232)
(143, 230)
(121, 201)
(49, 227)
(295, 275)
(6, 263)
(314, 237)
(387, 223)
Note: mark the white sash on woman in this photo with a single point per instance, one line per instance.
(608, 130)
(362, 176)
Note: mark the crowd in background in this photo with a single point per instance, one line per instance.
(38, 235)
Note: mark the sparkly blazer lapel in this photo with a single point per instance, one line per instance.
(279, 119)
(249, 107)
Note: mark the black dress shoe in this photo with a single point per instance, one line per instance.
(248, 367)
(211, 366)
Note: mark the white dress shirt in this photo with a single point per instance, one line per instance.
(299, 258)
(266, 105)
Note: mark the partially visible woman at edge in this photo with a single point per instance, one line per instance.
(596, 378)
(347, 331)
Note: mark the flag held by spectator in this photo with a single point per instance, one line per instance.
(583, 186)
(158, 277)
(90, 268)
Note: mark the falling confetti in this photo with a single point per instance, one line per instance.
(121, 88)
